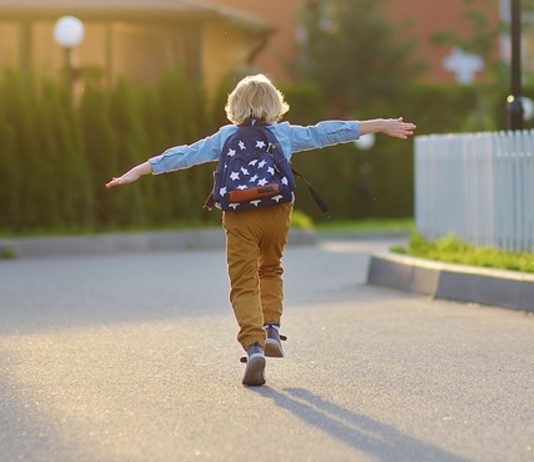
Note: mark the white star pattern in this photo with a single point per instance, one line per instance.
(242, 146)
(260, 144)
(233, 205)
(253, 162)
(270, 170)
(231, 153)
(222, 191)
(241, 187)
(234, 176)
(245, 171)
(277, 198)
(284, 181)
(256, 203)
(262, 182)
(253, 178)
(261, 164)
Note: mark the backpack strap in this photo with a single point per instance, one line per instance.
(209, 202)
(315, 195)
(273, 143)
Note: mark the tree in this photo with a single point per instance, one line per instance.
(483, 35)
(481, 41)
(353, 53)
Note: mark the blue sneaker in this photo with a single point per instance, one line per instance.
(273, 344)
(255, 370)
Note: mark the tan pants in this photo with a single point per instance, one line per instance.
(255, 241)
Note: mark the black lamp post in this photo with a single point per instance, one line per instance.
(515, 107)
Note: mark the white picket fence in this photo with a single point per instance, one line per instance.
(478, 186)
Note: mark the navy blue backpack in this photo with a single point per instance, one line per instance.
(253, 172)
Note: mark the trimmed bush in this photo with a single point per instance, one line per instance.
(57, 152)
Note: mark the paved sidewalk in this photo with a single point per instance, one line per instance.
(134, 358)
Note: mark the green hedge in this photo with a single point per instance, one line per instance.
(57, 152)
(376, 183)
(45, 175)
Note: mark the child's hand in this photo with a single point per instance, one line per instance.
(129, 177)
(132, 175)
(397, 128)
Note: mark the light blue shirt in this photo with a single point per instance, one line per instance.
(292, 138)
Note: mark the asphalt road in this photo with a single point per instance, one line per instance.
(134, 358)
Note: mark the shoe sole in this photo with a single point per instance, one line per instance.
(254, 372)
(273, 349)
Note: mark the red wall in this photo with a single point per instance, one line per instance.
(284, 16)
(425, 16)
(429, 16)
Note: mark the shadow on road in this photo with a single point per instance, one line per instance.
(379, 440)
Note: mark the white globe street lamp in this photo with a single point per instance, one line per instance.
(366, 142)
(68, 33)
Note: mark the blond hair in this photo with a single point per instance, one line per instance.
(255, 96)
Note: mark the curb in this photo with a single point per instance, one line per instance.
(201, 239)
(501, 288)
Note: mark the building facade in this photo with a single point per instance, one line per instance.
(210, 39)
(141, 39)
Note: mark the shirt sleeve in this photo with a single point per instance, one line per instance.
(185, 156)
(323, 134)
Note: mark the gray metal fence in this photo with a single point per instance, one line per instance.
(478, 186)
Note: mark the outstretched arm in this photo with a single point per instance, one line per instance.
(330, 132)
(396, 128)
(178, 158)
(131, 175)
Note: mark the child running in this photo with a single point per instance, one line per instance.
(254, 188)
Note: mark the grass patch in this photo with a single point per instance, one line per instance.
(7, 253)
(299, 221)
(452, 250)
(367, 225)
